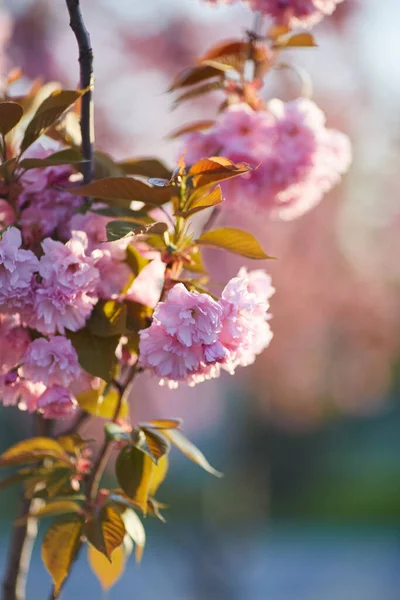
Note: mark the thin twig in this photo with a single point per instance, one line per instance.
(86, 81)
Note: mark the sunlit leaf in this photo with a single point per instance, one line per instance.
(10, 114)
(134, 528)
(48, 113)
(108, 573)
(32, 450)
(201, 200)
(59, 547)
(96, 354)
(153, 509)
(298, 40)
(233, 240)
(189, 128)
(135, 260)
(105, 530)
(146, 167)
(103, 403)
(108, 318)
(159, 474)
(194, 75)
(190, 450)
(163, 423)
(134, 470)
(58, 507)
(72, 443)
(124, 188)
(208, 171)
(157, 443)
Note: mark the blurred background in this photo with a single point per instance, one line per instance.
(309, 437)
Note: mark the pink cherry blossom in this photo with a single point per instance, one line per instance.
(299, 158)
(66, 294)
(294, 13)
(23, 393)
(57, 402)
(14, 341)
(166, 357)
(45, 207)
(17, 268)
(193, 318)
(52, 361)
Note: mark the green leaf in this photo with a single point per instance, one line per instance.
(59, 548)
(234, 240)
(134, 528)
(190, 450)
(116, 433)
(72, 443)
(119, 229)
(135, 260)
(108, 318)
(10, 114)
(57, 507)
(201, 200)
(146, 167)
(48, 113)
(69, 156)
(124, 188)
(103, 403)
(96, 354)
(134, 470)
(107, 572)
(32, 450)
(105, 531)
(157, 443)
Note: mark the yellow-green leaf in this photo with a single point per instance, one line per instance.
(59, 547)
(163, 423)
(32, 450)
(108, 318)
(58, 507)
(159, 474)
(157, 443)
(105, 531)
(201, 200)
(96, 354)
(134, 470)
(190, 450)
(103, 403)
(10, 114)
(48, 113)
(124, 188)
(108, 573)
(234, 240)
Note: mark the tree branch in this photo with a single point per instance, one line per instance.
(86, 81)
(23, 538)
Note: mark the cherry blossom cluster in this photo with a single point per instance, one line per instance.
(298, 158)
(192, 336)
(292, 13)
